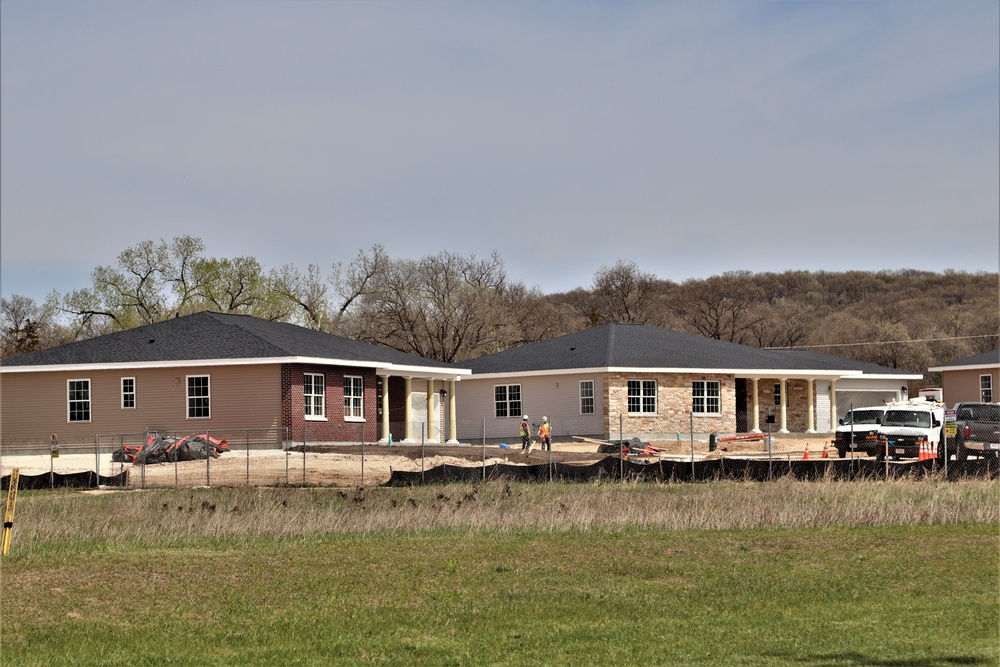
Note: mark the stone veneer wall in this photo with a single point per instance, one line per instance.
(673, 405)
(797, 411)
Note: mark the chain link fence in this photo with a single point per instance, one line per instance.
(367, 454)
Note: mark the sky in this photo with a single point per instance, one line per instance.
(691, 138)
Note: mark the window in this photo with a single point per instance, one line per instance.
(507, 399)
(314, 395)
(705, 397)
(587, 397)
(985, 388)
(641, 396)
(777, 394)
(128, 393)
(354, 388)
(78, 395)
(198, 397)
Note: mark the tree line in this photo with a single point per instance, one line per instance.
(452, 307)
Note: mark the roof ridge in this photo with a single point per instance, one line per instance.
(223, 319)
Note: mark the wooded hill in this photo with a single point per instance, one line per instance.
(451, 307)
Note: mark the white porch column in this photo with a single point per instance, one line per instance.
(812, 406)
(833, 405)
(432, 412)
(385, 409)
(452, 419)
(408, 412)
(756, 409)
(784, 406)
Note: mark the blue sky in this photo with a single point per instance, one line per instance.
(692, 138)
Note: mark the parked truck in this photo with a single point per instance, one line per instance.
(858, 431)
(978, 430)
(908, 424)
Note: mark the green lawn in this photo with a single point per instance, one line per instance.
(903, 595)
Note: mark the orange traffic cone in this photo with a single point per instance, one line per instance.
(931, 450)
(922, 456)
(805, 455)
(826, 451)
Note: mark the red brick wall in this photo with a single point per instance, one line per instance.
(335, 428)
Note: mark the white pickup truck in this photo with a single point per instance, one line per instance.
(858, 431)
(908, 423)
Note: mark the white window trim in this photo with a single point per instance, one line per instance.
(90, 402)
(135, 398)
(642, 396)
(984, 387)
(354, 418)
(705, 396)
(778, 398)
(314, 418)
(511, 414)
(187, 396)
(592, 397)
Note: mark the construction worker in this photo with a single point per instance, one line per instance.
(544, 433)
(525, 435)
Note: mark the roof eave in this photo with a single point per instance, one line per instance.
(970, 367)
(741, 372)
(385, 368)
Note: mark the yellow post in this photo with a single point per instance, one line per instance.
(8, 515)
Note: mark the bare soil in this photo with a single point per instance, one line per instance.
(354, 465)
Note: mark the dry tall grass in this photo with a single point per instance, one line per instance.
(80, 520)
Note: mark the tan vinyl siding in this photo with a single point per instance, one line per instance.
(963, 386)
(554, 396)
(33, 405)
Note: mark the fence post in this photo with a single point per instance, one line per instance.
(550, 454)
(303, 454)
(208, 460)
(248, 457)
(692, 445)
(423, 430)
(484, 449)
(621, 450)
(362, 424)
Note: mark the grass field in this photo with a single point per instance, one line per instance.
(788, 573)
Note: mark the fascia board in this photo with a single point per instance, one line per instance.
(746, 372)
(973, 367)
(740, 372)
(550, 372)
(423, 371)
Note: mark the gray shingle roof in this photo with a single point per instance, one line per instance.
(646, 346)
(205, 336)
(986, 358)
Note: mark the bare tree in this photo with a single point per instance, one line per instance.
(721, 307)
(26, 326)
(446, 307)
(623, 293)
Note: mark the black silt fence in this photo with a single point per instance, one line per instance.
(613, 468)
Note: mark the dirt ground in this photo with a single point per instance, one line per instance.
(348, 465)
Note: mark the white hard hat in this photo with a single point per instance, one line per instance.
(545, 419)
(524, 417)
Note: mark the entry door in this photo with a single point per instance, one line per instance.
(823, 422)
(742, 414)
